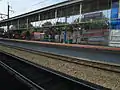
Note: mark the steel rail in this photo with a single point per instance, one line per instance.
(86, 84)
(21, 77)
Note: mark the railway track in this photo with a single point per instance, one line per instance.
(43, 78)
(6, 78)
(81, 61)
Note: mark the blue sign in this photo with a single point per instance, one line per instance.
(115, 22)
(65, 35)
(115, 10)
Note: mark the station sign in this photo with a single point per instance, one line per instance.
(114, 39)
(93, 15)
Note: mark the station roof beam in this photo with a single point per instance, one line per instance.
(67, 8)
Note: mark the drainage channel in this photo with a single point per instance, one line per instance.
(43, 77)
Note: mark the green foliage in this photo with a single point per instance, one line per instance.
(47, 24)
(94, 23)
(62, 25)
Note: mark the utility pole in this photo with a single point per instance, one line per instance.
(8, 13)
(8, 10)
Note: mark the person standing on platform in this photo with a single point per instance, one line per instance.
(49, 37)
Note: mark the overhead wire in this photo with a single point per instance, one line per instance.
(39, 2)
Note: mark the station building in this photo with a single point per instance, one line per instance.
(93, 21)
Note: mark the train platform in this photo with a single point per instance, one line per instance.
(75, 46)
(103, 54)
(82, 72)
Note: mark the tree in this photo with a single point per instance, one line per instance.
(62, 25)
(98, 23)
(47, 24)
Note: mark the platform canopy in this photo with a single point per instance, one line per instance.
(63, 9)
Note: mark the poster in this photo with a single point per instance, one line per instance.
(114, 39)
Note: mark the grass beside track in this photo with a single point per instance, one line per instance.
(105, 78)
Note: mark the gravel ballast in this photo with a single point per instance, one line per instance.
(101, 77)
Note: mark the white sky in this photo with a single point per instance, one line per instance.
(23, 6)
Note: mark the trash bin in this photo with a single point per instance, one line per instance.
(70, 41)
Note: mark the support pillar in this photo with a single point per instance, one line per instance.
(18, 22)
(114, 34)
(78, 38)
(39, 17)
(80, 12)
(65, 32)
(27, 23)
(56, 14)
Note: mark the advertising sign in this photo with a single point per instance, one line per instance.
(38, 36)
(114, 38)
(93, 15)
(115, 24)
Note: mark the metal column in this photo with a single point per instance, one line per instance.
(18, 22)
(27, 23)
(65, 32)
(56, 14)
(78, 39)
(80, 12)
(39, 17)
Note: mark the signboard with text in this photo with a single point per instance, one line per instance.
(114, 39)
(94, 15)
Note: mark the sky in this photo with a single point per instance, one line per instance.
(23, 6)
